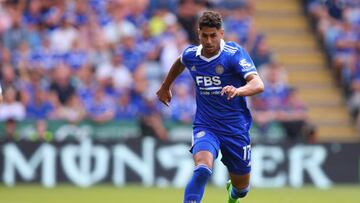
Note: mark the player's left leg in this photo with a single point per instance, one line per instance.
(238, 187)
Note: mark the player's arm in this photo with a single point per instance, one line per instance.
(254, 85)
(164, 93)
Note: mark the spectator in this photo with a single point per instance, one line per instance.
(61, 84)
(40, 107)
(269, 104)
(151, 45)
(44, 56)
(240, 23)
(32, 14)
(76, 57)
(280, 103)
(101, 107)
(354, 98)
(15, 34)
(11, 133)
(125, 108)
(85, 83)
(183, 106)
(150, 119)
(34, 36)
(171, 49)
(22, 56)
(121, 76)
(5, 17)
(9, 77)
(187, 16)
(119, 26)
(294, 119)
(345, 47)
(32, 79)
(62, 38)
(81, 13)
(138, 12)
(6, 56)
(42, 133)
(73, 111)
(11, 108)
(101, 53)
(159, 22)
(131, 54)
(261, 53)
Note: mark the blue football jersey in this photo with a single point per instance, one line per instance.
(229, 67)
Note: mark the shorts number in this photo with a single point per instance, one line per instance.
(247, 152)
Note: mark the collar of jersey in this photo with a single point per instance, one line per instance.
(198, 52)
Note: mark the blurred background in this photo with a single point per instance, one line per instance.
(79, 79)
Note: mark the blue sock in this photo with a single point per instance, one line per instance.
(239, 193)
(195, 188)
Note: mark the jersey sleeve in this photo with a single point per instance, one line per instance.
(243, 63)
(182, 58)
(185, 55)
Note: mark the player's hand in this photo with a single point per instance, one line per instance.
(164, 95)
(230, 91)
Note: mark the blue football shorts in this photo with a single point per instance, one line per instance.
(235, 150)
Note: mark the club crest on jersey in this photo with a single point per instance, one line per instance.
(200, 134)
(193, 68)
(219, 69)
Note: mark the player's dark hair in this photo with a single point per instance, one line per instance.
(210, 19)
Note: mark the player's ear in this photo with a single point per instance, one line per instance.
(222, 32)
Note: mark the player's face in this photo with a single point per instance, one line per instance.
(210, 39)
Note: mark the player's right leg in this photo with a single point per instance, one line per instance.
(204, 151)
(194, 190)
(236, 155)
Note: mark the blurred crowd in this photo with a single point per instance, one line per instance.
(103, 60)
(337, 23)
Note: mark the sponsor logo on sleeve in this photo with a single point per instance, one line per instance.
(245, 64)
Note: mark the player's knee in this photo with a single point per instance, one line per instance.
(204, 158)
(206, 163)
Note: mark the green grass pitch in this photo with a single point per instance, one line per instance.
(135, 194)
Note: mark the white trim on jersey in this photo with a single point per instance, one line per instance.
(199, 48)
(250, 73)
(181, 60)
(229, 50)
(210, 88)
(192, 49)
(230, 47)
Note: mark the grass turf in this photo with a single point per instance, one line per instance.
(136, 194)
